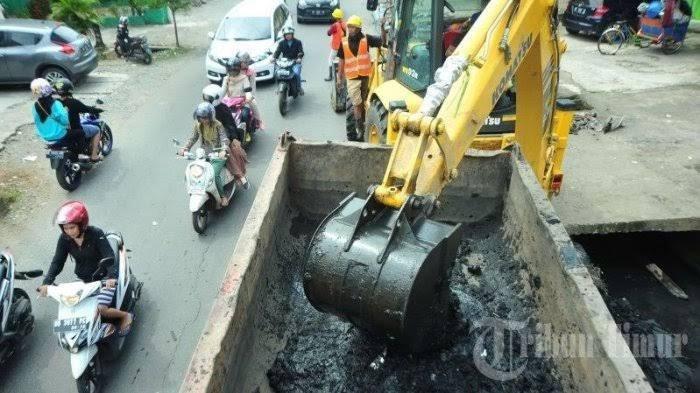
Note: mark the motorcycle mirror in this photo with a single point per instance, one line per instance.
(175, 141)
(99, 101)
(210, 35)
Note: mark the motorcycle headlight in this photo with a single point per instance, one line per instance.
(70, 300)
(196, 171)
(302, 4)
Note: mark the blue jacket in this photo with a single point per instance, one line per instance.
(55, 126)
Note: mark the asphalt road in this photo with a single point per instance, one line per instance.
(140, 192)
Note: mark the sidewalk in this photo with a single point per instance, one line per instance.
(646, 175)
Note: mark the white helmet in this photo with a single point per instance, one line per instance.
(211, 93)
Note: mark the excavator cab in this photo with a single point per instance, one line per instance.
(422, 32)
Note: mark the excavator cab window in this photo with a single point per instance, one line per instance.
(415, 67)
(420, 38)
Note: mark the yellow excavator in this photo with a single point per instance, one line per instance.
(403, 73)
(381, 262)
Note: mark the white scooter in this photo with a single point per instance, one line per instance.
(199, 177)
(79, 327)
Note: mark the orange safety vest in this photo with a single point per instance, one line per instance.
(360, 65)
(338, 34)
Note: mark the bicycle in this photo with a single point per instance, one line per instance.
(621, 33)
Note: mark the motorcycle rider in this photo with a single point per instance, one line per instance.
(50, 116)
(291, 48)
(236, 84)
(213, 136)
(246, 68)
(64, 89)
(238, 158)
(123, 38)
(87, 246)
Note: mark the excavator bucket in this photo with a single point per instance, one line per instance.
(384, 270)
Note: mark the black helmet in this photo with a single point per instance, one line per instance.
(63, 87)
(204, 110)
(123, 20)
(233, 65)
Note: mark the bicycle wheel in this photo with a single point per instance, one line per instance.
(610, 41)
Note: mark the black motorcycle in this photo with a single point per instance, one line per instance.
(71, 160)
(286, 85)
(137, 49)
(16, 319)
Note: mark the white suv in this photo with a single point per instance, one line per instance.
(251, 26)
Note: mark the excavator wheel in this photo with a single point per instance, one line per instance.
(349, 119)
(384, 270)
(376, 123)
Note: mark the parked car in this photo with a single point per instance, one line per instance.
(587, 17)
(33, 48)
(316, 10)
(252, 26)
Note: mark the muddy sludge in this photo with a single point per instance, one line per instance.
(323, 353)
(660, 329)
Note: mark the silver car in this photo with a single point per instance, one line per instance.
(37, 48)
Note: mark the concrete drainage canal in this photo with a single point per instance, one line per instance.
(524, 314)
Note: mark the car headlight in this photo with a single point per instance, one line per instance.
(261, 56)
(70, 300)
(211, 57)
(302, 3)
(196, 171)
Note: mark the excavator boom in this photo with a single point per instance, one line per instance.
(380, 262)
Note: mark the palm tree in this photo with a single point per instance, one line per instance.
(80, 15)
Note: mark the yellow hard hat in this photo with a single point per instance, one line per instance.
(354, 21)
(337, 13)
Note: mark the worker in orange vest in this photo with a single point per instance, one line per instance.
(337, 31)
(355, 66)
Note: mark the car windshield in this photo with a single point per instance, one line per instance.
(464, 5)
(244, 29)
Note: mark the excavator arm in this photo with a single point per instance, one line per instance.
(381, 262)
(511, 40)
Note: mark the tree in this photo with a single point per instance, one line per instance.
(81, 16)
(39, 9)
(175, 6)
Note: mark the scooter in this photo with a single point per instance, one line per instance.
(201, 187)
(80, 328)
(243, 117)
(286, 85)
(16, 319)
(70, 161)
(138, 50)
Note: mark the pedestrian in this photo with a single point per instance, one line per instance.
(355, 67)
(337, 31)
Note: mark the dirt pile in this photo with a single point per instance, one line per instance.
(323, 353)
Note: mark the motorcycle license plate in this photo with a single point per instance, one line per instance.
(70, 325)
(55, 154)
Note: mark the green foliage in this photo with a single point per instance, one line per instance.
(39, 9)
(81, 15)
(174, 5)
